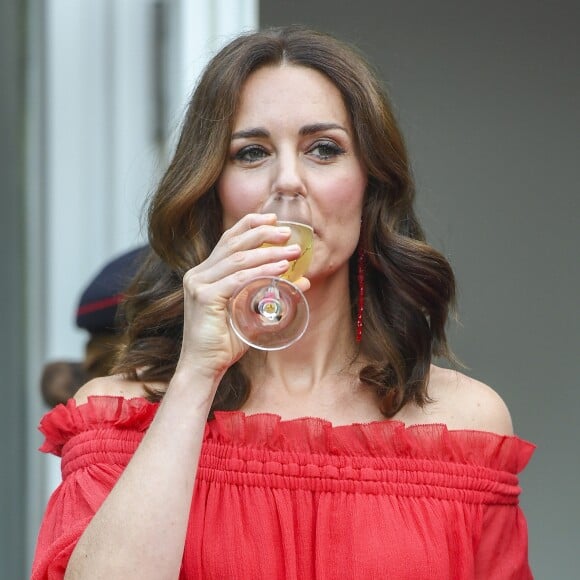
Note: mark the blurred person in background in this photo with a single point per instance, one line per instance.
(98, 314)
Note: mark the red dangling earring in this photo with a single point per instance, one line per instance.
(361, 291)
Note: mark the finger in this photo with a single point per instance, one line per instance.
(247, 251)
(223, 289)
(303, 283)
(250, 222)
(249, 259)
(245, 239)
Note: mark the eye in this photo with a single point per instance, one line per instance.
(250, 154)
(326, 150)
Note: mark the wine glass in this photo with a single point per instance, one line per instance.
(271, 313)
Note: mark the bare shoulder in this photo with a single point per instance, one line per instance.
(465, 403)
(113, 386)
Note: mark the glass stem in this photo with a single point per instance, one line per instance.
(269, 304)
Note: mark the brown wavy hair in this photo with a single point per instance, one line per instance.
(410, 287)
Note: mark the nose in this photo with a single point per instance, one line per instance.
(288, 178)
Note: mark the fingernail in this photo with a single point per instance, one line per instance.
(284, 230)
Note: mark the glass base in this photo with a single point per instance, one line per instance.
(269, 313)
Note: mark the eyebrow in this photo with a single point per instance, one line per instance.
(306, 130)
(319, 127)
(250, 133)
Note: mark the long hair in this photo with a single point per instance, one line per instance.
(410, 287)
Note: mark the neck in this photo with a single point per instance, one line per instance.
(321, 368)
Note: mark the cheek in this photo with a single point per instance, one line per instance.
(348, 210)
(236, 197)
(342, 217)
(348, 198)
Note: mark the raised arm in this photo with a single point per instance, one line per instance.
(140, 529)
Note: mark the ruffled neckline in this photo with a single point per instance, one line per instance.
(67, 420)
(265, 431)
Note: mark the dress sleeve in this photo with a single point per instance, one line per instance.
(503, 547)
(96, 441)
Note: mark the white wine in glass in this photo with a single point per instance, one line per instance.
(302, 235)
(271, 313)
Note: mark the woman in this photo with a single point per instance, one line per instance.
(346, 455)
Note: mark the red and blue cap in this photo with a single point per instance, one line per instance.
(97, 310)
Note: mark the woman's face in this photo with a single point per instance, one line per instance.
(293, 134)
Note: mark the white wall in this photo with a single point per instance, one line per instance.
(107, 83)
(488, 96)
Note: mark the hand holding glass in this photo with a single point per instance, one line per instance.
(271, 313)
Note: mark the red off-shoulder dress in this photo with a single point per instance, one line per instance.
(303, 499)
